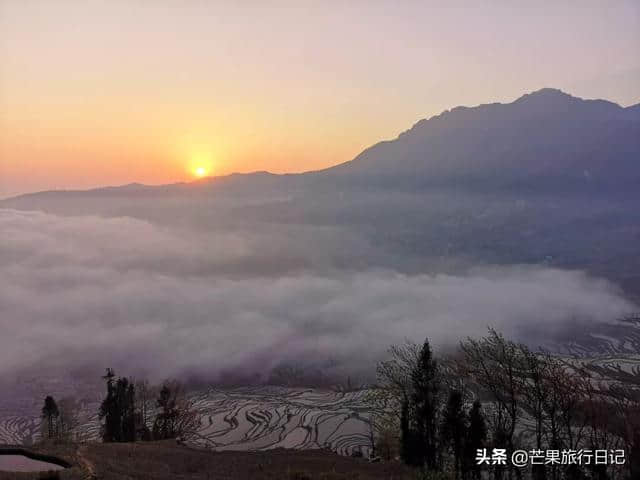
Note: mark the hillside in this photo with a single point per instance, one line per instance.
(544, 142)
(166, 460)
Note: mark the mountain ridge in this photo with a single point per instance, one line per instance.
(540, 102)
(547, 124)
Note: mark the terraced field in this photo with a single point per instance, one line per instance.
(16, 429)
(266, 418)
(259, 418)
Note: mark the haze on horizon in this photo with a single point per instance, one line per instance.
(97, 93)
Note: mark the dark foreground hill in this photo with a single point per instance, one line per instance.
(168, 461)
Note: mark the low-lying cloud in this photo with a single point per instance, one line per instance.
(95, 292)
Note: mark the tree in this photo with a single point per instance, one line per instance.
(624, 398)
(176, 417)
(534, 395)
(425, 403)
(393, 388)
(109, 410)
(50, 415)
(394, 376)
(497, 366)
(144, 394)
(118, 410)
(476, 438)
(454, 430)
(127, 399)
(565, 404)
(408, 447)
(565, 390)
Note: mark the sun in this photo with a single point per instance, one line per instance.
(200, 162)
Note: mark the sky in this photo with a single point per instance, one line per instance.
(99, 93)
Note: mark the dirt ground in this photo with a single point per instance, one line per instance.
(167, 460)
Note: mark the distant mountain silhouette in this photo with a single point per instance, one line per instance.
(546, 140)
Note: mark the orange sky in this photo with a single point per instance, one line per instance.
(96, 93)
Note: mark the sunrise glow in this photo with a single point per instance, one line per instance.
(114, 100)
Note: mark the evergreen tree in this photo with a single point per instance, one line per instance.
(407, 438)
(425, 402)
(454, 430)
(109, 410)
(476, 438)
(50, 415)
(127, 394)
(118, 410)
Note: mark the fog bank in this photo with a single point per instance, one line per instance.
(94, 292)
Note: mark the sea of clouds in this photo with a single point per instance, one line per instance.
(151, 300)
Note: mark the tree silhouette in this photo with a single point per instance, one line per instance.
(176, 416)
(425, 402)
(476, 438)
(50, 415)
(454, 429)
(408, 447)
(118, 410)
